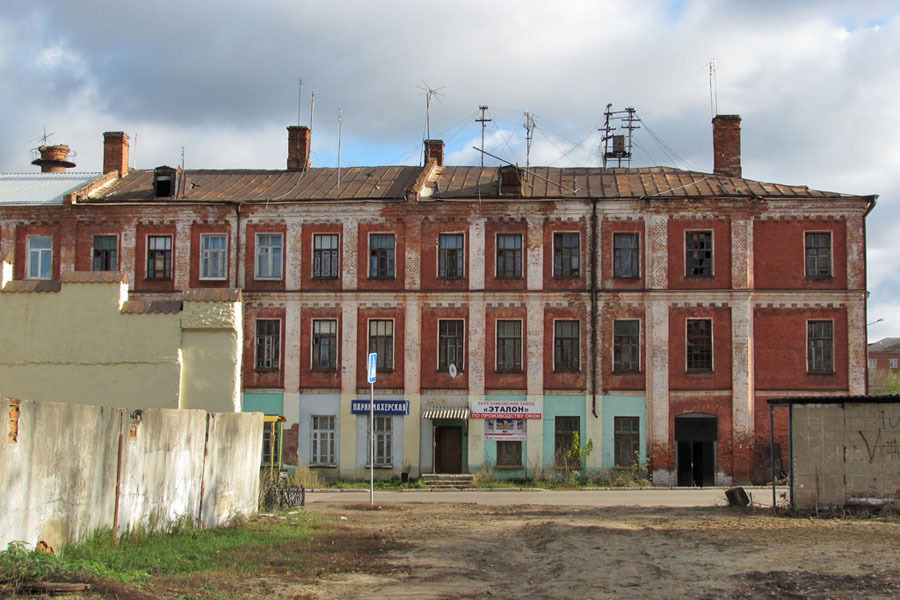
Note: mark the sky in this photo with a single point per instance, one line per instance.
(815, 82)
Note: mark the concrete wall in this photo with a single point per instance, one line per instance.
(846, 453)
(87, 344)
(59, 466)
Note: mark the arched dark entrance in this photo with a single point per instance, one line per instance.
(695, 441)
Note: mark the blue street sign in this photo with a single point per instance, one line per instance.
(382, 407)
(373, 362)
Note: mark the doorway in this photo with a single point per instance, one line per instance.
(695, 446)
(448, 449)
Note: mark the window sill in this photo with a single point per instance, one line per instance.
(212, 279)
(381, 466)
(634, 372)
(820, 373)
(563, 371)
(508, 467)
(699, 372)
(324, 369)
(566, 276)
(709, 276)
(323, 278)
(323, 466)
(267, 369)
(628, 277)
(819, 277)
(509, 371)
(268, 279)
(382, 277)
(158, 278)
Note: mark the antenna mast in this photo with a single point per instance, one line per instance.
(340, 129)
(299, 98)
(430, 93)
(529, 137)
(621, 144)
(713, 89)
(312, 106)
(484, 123)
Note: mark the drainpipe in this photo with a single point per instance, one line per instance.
(593, 344)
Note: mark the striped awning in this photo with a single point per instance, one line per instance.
(443, 412)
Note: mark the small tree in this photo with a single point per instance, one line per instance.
(576, 452)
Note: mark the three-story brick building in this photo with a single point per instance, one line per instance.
(650, 310)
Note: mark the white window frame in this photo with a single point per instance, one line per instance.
(170, 275)
(93, 249)
(437, 258)
(320, 437)
(280, 350)
(638, 251)
(640, 345)
(393, 341)
(833, 369)
(459, 367)
(393, 273)
(830, 253)
(269, 262)
(338, 249)
(894, 363)
(522, 250)
(386, 436)
(41, 254)
(208, 253)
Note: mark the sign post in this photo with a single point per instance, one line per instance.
(373, 362)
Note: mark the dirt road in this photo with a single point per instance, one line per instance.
(443, 550)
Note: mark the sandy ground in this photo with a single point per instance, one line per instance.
(441, 550)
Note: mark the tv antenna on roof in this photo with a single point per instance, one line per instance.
(429, 93)
(529, 137)
(484, 123)
(42, 138)
(621, 144)
(713, 89)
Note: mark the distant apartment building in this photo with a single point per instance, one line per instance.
(884, 367)
(650, 310)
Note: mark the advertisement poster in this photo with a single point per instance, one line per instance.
(511, 430)
(505, 409)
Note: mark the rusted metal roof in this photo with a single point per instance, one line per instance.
(32, 285)
(40, 189)
(615, 183)
(889, 344)
(213, 295)
(94, 277)
(144, 307)
(357, 183)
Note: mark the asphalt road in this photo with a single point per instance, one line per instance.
(668, 497)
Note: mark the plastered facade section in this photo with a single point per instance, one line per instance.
(845, 453)
(77, 346)
(175, 464)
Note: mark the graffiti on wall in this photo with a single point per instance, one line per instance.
(885, 442)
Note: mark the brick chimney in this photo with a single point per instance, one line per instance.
(435, 149)
(115, 152)
(298, 148)
(727, 145)
(53, 159)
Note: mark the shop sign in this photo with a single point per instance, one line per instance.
(510, 430)
(382, 407)
(505, 409)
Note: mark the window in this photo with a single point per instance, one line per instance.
(820, 346)
(699, 345)
(450, 255)
(627, 440)
(450, 344)
(698, 254)
(325, 256)
(626, 255)
(818, 254)
(565, 346)
(324, 344)
(269, 252)
(893, 363)
(270, 431)
(509, 454)
(509, 346)
(626, 346)
(105, 253)
(212, 256)
(383, 441)
(873, 363)
(268, 344)
(509, 255)
(566, 428)
(381, 341)
(40, 257)
(566, 255)
(159, 257)
(381, 255)
(322, 452)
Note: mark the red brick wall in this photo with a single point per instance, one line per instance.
(607, 230)
(492, 379)
(310, 378)
(780, 344)
(759, 473)
(291, 445)
(565, 283)
(564, 380)
(141, 283)
(197, 229)
(431, 378)
(779, 254)
(720, 406)
(263, 285)
(263, 378)
(386, 379)
(721, 229)
(491, 229)
(306, 262)
(398, 282)
(720, 377)
(84, 242)
(431, 230)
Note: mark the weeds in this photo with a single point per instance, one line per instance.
(18, 566)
